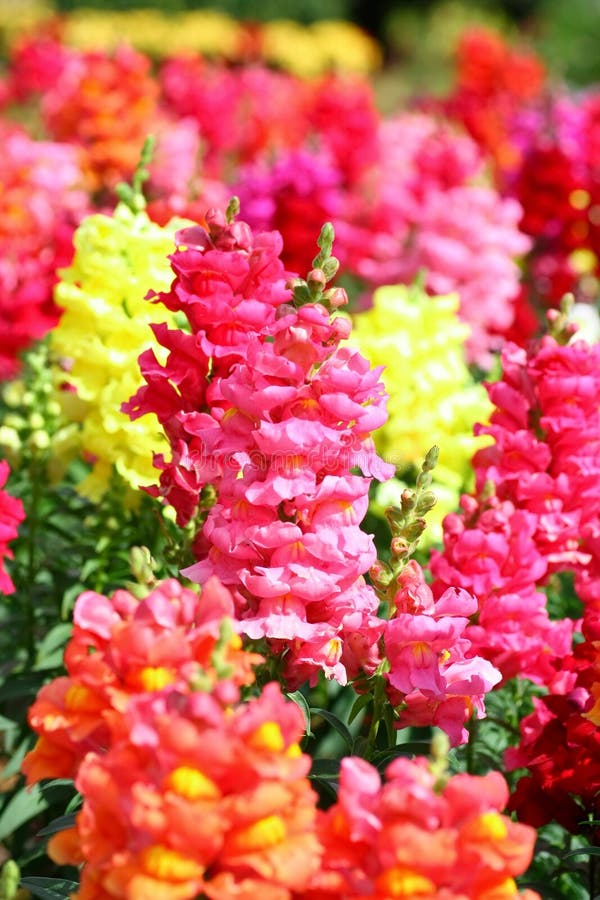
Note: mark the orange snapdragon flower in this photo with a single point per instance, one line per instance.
(121, 648)
(106, 103)
(197, 797)
(421, 834)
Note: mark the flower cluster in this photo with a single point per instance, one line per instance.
(543, 144)
(11, 515)
(185, 789)
(434, 677)
(104, 327)
(493, 82)
(41, 202)
(105, 105)
(439, 218)
(537, 505)
(262, 402)
(404, 194)
(433, 398)
(420, 834)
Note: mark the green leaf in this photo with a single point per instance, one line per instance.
(74, 803)
(360, 703)
(23, 806)
(300, 700)
(49, 888)
(335, 723)
(582, 851)
(7, 724)
(14, 764)
(59, 824)
(50, 651)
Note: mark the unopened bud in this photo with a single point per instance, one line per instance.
(233, 208)
(316, 278)
(426, 501)
(407, 499)
(10, 877)
(380, 574)
(431, 459)
(399, 547)
(337, 297)
(415, 529)
(330, 267)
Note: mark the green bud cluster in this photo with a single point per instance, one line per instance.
(407, 524)
(31, 415)
(314, 289)
(132, 195)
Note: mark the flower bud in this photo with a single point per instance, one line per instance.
(337, 297)
(316, 278)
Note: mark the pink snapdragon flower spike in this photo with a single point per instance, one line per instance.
(430, 669)
(277, 416)
(536, 509)
(434, 677)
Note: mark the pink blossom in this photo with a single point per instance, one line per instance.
(276, 427)
(11, 515)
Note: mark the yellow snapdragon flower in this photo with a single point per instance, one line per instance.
(104, 328)
(154, 32)
(433, 398)
(311, 50)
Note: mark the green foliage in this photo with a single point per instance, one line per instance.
(568, 39)
(300, 10)
(66, 544)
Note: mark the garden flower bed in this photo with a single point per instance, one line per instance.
(299, 472)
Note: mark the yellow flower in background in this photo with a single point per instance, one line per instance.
(346, 47)
(433, 397)
(152, 32)
(23, 17)
(104, 328)
(309, 50)
(304, 50)
(290, 46)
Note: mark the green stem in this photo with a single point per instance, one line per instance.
(33, 522)
(473, 728)
(377, 716)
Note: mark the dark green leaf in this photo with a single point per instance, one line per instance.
(50, 651)
(49, 888)
(359, 704)
(59, 824)
(335, 723)
(326, 767)
(582, 851)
